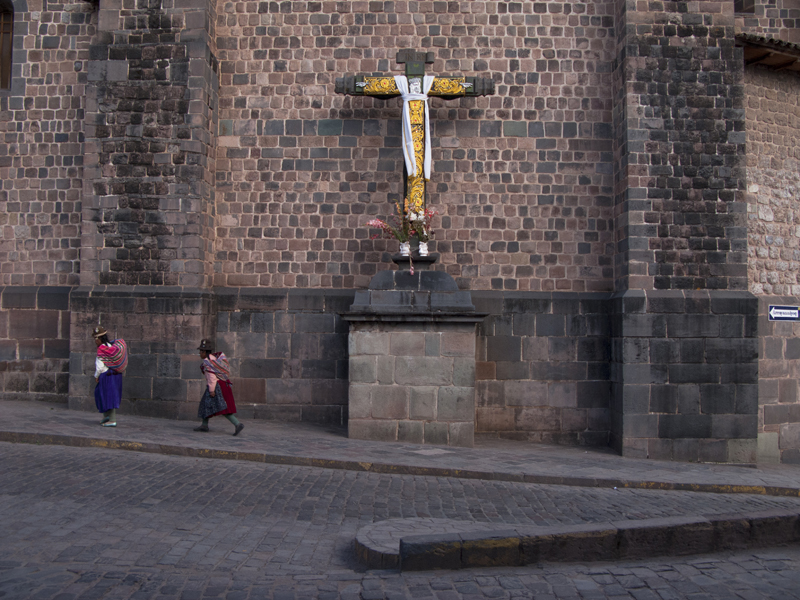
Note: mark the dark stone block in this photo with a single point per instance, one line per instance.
(311, 300)
(239, 321)
(56, 349)
(734, 426)
(665, 351)
(438, 281)
(143, 364)
(53, 298)
(594, 349)
(8, 350)
(167, 389)
(736, 303)
(523, 324)
(19, 297)
(550, 325)
(738, 373)
(260, 368)
(684, 426)
(326, 415)
(333, 346)
(693, 374)
(747, 399)
(338, 301)
(726, 350)
(318, 323)
(511, 370)
(792, 348)
(566, 371)
(692, 351)
(565, 306)
(227, 299)
(169, 366)
(594, 394)
(384, 280)
(222, 322)
(31, 349)
(319, 369)
(490, 548)
(504, 348)
(644, 326)
(33, 324)
(666, 302)
(522, 304)
(137, 387)
(717, 399)
(261, 322)
(260, 300)
(451, 301)
(664, 399)
(692, 326)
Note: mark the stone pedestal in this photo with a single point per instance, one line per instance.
(412, 358)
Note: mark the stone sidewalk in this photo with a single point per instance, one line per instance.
(309, 445)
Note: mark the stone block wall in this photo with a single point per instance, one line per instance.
(41, 136)
(772, 18)
(543, 367)
(288, 351)
(522, 180)
(773, 186)
(685, 375)
(680, 145)
(148, 214)
(162, 326)
(34, 343)
(412, 382)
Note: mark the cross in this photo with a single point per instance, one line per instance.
(415, 87)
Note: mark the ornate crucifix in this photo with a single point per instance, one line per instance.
(415, 87)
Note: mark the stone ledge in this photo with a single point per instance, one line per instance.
(459, 544)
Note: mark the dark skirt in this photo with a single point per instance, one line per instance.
(108, 392)
(211, 405)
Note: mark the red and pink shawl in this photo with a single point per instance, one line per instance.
(115, 356)
(218, 365)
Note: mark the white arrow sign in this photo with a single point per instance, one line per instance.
(784, 313)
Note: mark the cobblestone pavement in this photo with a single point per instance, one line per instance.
(292, 440)
(91, 523)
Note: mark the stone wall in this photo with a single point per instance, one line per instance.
(34, 343)
(773, 185)
(543, 367)
(685, 375)
(41, 135)
(288, 350)
(148, 214)
(773, 18)
(681, 144)
(162, 327)
(521, 180)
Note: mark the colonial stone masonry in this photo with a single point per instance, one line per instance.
(621, 212)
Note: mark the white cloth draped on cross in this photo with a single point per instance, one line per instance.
(408, 141)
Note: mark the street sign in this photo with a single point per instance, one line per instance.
(784, 313)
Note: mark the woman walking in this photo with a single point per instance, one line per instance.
(110, 364)
(218, 396)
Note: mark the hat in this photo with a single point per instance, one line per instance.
(206, 345)
(99, 332)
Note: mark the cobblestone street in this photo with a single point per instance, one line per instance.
(94, 523)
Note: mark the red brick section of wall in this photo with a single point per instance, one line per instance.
(41, 131)
(522, 180)
(773, 184)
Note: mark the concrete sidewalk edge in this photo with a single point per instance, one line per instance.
(387, 468)
(628, 539)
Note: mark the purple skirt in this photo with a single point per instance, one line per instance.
(108, 392)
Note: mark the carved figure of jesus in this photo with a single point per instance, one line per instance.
(415, 87)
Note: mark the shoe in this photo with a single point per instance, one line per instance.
(110, 424)
(104, 421)
(201, 428)
(239, 428)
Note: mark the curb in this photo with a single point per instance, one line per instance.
(628, 539)
(387, 468)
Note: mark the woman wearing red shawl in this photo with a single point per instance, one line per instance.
(111, 361)
(218, 396)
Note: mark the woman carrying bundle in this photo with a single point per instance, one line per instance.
(110, 364)
(218, 396)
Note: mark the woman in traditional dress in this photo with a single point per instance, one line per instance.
(218, 396)
(110, 364)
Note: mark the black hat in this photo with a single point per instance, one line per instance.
(206, 345)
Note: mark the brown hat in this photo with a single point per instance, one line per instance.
(206, 345)
(98, 332)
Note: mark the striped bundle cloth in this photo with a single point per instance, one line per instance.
(218, 365)
(115, 356)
